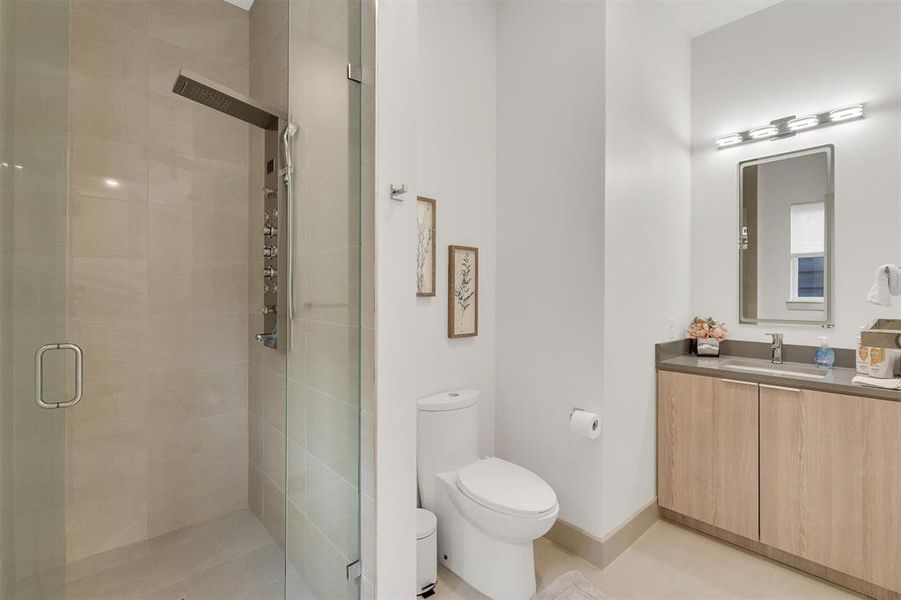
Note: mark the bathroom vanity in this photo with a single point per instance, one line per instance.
(783, 460)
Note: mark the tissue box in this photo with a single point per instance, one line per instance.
(882, 341)
(883, 333)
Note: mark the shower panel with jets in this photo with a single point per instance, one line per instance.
(277, 272)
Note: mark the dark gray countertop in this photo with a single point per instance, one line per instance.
(674, 356)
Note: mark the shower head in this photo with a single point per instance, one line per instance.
(225, 100)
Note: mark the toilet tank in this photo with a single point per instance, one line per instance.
(447, 436)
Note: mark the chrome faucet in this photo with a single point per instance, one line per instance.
(776, 347)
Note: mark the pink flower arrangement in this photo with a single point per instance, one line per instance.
(707, 328)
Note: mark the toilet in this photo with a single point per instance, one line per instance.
(489, 510)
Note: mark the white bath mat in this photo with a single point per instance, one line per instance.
(570, 586)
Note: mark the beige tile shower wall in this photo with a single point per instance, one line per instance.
(158, 271)
(267, 416)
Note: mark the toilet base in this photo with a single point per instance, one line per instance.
(497, 569)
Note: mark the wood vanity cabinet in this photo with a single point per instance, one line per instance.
(809, 478)
(830, 481)
(707, 452)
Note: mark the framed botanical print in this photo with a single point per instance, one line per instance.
(425, 246)
(462, 291)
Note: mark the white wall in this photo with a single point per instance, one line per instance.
(785, 60)
(456, 167)
(603, 216)
(647, 251)
(396, 49)
(436, 133)
(550, 257)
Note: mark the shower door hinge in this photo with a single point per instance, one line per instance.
(355, 72)
(354, 570)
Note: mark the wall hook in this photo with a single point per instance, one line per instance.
(397, 190)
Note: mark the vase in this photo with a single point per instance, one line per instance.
(707, 347)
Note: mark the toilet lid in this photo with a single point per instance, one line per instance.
(506, 488)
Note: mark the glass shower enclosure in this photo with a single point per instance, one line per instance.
(180, 297)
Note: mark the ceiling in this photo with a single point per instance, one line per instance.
(245, 4)
(697, 17)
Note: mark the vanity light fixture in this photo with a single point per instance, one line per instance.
(789, 126)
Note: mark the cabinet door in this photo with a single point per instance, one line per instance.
(830, 481)
(882, 493)
(707, 453)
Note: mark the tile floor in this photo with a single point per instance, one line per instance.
(228, 558)
(233, 558)
(670, 562)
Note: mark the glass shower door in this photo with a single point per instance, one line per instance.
(323, 454)
(34, 54)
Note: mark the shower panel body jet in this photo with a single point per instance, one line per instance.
(277, 272)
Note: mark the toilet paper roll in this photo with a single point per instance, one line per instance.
(585, 424)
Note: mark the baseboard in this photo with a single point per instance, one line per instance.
(603, 551)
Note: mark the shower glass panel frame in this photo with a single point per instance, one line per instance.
(34, 108)
(323, 463)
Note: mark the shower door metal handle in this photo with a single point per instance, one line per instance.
(39, 375)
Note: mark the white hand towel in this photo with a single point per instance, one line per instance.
(888, 384)
(886, 284)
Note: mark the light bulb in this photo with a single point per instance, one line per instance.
(848, 112)
(803, 123)
(763, 132)
(728, 140)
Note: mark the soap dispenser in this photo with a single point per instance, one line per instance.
(824, 356)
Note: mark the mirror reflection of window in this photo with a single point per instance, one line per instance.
(808, 245)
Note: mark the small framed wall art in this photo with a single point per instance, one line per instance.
(425, 246)
(462, 291)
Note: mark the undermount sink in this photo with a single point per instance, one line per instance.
(784, 370)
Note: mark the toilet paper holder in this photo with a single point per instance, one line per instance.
(589, 428)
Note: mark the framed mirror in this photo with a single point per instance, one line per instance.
(785, 237)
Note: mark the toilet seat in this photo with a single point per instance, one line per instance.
(506, 488)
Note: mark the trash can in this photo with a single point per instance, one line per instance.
(426, 552)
